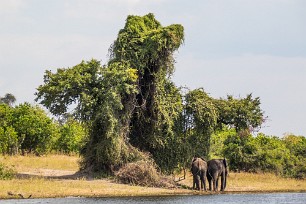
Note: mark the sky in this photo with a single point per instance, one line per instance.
(231, 47)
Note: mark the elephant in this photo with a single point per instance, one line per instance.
(215, 169)
(198, 170)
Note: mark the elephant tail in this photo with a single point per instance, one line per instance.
(225, 162)
(208, 174)
(199, 167)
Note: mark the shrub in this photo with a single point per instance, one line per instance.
(6, 172)
(72, 135)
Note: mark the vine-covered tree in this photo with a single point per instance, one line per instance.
(129, 101)
(100, 93)
(131, 106)
(149, 47)
(201, 115)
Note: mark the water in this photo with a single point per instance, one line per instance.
(271, 198)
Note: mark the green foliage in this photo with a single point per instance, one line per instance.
(149, 47)
(129, 101)
(201, 119)
(108, 147)
(8, 136)
(296, 145)
(103, 96)
(272, 153)
(131, 104)
(165, 142)
(241, 114)
(25, 128)
(240, 151)
(72, 136)
(8, 140)
(78, 85)
(296, 166)
(217, 142)
(36, 131)
(266, 154)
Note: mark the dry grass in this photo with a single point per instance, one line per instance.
(49, 183)
(44, 179)
(250, 182)
(30, 162)
(43, 188)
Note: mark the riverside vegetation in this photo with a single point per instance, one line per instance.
(128, 114)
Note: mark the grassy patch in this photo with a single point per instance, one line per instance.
(40, 187)
(27, 163)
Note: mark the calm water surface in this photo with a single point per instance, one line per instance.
(271, 198)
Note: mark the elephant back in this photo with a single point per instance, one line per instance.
(217, 165)
(198, 165)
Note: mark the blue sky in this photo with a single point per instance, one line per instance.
(232, 47)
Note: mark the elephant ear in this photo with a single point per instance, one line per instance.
(225, 163)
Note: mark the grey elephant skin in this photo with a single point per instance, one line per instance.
(217, 168)
(199, 170)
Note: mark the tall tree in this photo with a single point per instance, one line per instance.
(201, 117)
(8, 99)
(100, 93)
(245, 114)
(149, 47)
(126, 102)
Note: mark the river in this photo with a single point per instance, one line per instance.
(270, 198)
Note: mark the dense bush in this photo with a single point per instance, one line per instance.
(28, 129)
(36, 131)
(71, 137)
(261, 153)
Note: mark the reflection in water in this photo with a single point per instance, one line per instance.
(271, 198)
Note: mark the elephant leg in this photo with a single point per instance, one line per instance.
(204, 181)
(209, 180)
(209, 183)
(217, 183)
(222, 181)
(197, 182)
(203, 187)
(194, 182)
